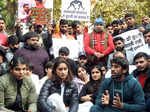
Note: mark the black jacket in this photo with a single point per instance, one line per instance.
(70, 96)
(91, 87)
(146, 88)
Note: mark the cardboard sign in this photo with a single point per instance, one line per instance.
(40, 15)
(133, 39)
(72, 45)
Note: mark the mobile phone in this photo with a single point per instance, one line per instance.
(119, 92)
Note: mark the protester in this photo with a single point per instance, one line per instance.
(59, 94)
(48, 71)
(146, 47)
(82, 77)
(70, 31)
(63, 26)
(103, 69)
(142, 74)
(109, 28)
(146, 22)
(83, 60)
(3, 35)
(132, 67)
(34, 77)
(98, 44)
(131, 23)
(13, 44)
(64, 53)
(17, 92)
(89, 91)
(120, 93)
(32, 53)
(120, 46)
(78, 33)
(116, 27)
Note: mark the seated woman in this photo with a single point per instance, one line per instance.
(89, 91)
(82, 77)
(17, 92)
(59, 94)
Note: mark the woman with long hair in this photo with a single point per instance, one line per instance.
(82, 77)
(59, 94)
(89, 91)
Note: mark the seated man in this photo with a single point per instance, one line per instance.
(119, 44)
(120, 93)
(142, 74)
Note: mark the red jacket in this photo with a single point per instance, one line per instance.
(3, 39)
(98, 39)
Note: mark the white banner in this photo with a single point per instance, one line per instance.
(72, 45)
(76, 10)
(133, 39)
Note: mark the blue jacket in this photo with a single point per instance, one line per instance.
(131, 92)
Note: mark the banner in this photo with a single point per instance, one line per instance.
(72, 45)
(76, 10)
(133, 39)
(35, 11)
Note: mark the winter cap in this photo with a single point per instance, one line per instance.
(99, 21)
(29, 35)
(39, 0)
(82, 54)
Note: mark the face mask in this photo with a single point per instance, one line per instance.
(98, 30)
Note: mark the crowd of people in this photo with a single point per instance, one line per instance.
(105, 77)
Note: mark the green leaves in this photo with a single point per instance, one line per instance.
(115, 9)
(8, 9)
(108, 9)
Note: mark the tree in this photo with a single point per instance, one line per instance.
(116, 9)
(108, 9)
(8, 9)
